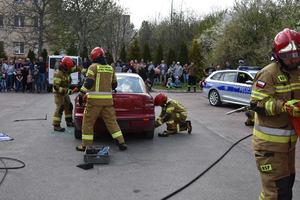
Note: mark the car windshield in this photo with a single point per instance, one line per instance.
(129, 84)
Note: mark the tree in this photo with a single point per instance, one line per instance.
(123, 55)
(134, 50)
(109, 58)
(31, 55)
(159, 55)
(196, 57)
(2, 52)
(184, 54)
(71, 50)
(84, 53)
(171, 56)
(146, 53)
(44, 54)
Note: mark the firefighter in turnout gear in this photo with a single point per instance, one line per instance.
(61, 83)
(173, 114)
(275, 91)
(97, 89)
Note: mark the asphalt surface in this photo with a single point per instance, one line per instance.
(150, 169)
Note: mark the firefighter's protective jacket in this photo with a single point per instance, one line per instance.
(172, 110)
(62, 80)
(101, 92)
(272, 87)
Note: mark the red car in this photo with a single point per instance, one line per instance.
(133, 104)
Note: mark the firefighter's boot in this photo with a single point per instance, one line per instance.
(59, 129)
(249, 122)
(122, 146)
(189, 126)
(163, 134)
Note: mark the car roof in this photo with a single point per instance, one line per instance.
(128, 74)
(60, 56)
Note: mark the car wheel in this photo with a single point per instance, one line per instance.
(77, 134)
(214, 98)
(149, 134)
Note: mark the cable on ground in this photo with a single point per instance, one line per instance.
(6, 168)
(206, 170)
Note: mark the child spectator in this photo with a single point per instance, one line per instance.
(170, 83)
(29, 82)
(19, 80)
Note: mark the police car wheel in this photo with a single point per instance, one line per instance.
(214, 98)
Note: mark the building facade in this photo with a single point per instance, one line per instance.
(18, 27)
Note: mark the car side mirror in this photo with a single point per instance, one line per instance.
(249, 82)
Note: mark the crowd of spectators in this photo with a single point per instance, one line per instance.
(171, 76)
(23, 75)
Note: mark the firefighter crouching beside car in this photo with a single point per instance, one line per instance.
(173, 114)
(61, 84)
(275, 91)
(97, 89)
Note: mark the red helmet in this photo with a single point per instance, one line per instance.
(67, 62)
(97, 52)
(286, 48)
(160, 99)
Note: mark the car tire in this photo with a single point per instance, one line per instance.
(214, 98)
(77, 134)
(149, 134)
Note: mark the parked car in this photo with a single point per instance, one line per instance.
(133, 104)
(230, 86)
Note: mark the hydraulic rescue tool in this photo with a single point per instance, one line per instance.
(242, 109)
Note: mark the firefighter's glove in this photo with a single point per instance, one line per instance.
(292, 107)
(69, 92)
(156, 124)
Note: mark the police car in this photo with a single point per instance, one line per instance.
(230, 86)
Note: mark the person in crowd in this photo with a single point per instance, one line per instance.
(10, 75)
(35, 75)
(228, 65)
(29, 81)
(42, 84)
(19, 80)
(163, 67)
(192, 78)
(177, 74)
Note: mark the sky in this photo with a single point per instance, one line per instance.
(140, 10)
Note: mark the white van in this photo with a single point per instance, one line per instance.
(53, 63)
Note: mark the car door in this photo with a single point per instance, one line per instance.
(228, 87)
(244, 83)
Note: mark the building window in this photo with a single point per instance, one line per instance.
(19, 21)
(19, 47)
(1, 20)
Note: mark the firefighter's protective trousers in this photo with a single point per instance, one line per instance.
(63, 104)
(91, 114)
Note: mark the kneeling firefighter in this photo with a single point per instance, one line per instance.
(173, 114)
(97, 88)
(61, 85)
